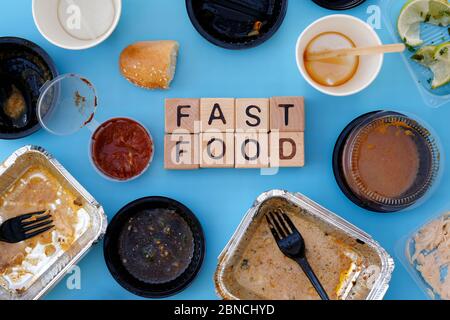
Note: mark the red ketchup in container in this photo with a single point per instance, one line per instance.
(121, 149)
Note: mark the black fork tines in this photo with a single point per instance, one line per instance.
(280, 224)
(30, 215)
(37, 226)
(37, 232)
(32, 222)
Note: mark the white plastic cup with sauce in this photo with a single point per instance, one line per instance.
(68, 103)
(76, 24)
(361, 34)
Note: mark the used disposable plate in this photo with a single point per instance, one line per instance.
(370, 282)
(42, 282)
(431, 35)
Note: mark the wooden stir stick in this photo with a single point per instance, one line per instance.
(363, 51)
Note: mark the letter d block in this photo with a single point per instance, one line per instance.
(181, 151)
(182, 116)
(217, 150)
(287, 149)
(252, 150)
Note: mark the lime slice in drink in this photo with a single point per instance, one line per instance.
(414, 12)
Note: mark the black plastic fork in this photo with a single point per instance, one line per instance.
(292, 245)
(25, 227)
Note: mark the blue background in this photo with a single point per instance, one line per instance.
(220, 197)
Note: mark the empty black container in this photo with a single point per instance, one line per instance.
(236, 24)
(339, 4)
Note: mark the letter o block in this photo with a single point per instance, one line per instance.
(252, 150)
(217, 150)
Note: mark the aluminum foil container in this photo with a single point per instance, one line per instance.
(10, 171)
(378, 265)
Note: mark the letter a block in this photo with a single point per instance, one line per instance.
(217, 114)
(252, 150)
(182, 116)
(287, 149)
(181, 151)
(287, 114)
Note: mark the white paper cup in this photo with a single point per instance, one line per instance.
(361, 34)
(76, 24)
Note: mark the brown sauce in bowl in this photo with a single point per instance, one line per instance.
(121, 148)
(388, 160)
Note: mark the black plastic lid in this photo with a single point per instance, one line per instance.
(236, 24)
(428, 169)
(123, 277)
(339, 4)
(28, 67)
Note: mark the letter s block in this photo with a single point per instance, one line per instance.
(181, 151)
(287, 149)
(182, 116)
(287, 114)
(252, 115)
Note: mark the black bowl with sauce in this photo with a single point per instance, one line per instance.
(232, 24)
(24, 69)
(385, 161)
(131, 278)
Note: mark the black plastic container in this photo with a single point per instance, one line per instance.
(28, 67)
(339, 4)
(116, 267)
(346, 167)
(231, 24)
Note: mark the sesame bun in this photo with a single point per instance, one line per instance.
(150, 64)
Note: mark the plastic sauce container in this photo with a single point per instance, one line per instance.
(385, 161)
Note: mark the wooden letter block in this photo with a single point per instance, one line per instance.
(287, 114)
(252, 115)
(181, 151)
(217, 114)
(252, 150)
(182, 116)
(217, 150)
(287, 149)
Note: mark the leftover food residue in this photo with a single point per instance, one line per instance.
(344, 265)
(331, 72)
(386, 160)
(37, 190)
(156, 245)
(432, 255)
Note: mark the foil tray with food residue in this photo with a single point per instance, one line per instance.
(37, 276)
(347, 261)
